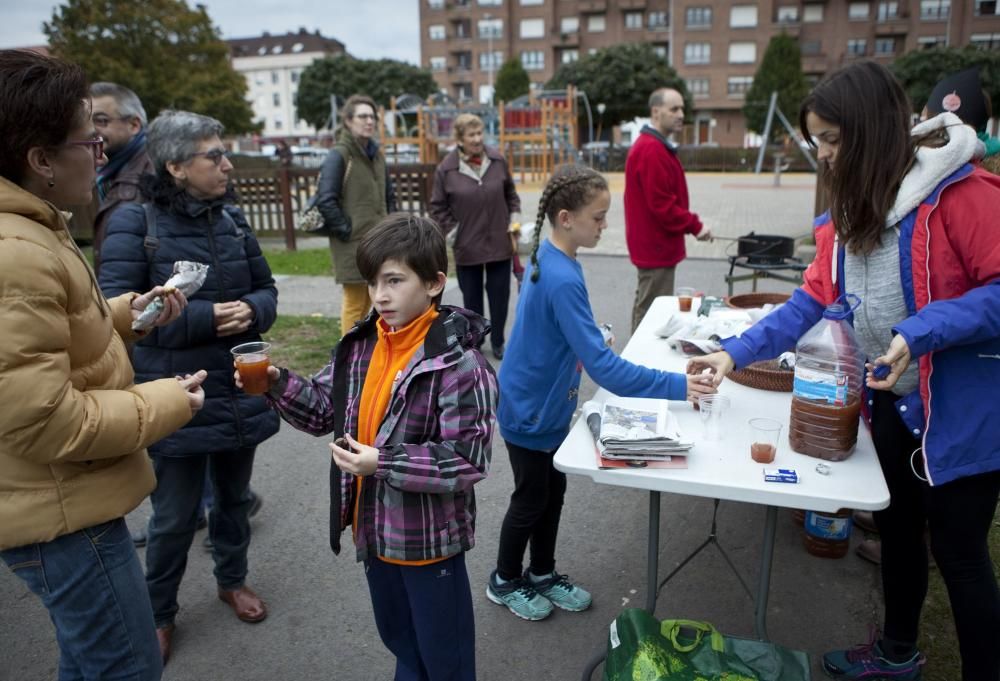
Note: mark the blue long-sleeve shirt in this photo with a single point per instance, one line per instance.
(553, 339)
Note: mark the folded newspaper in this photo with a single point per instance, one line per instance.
(629, 431)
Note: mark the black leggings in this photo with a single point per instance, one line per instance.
(470, 281)
(959, 515)
(533, 514)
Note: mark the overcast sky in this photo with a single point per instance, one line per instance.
(370, 29)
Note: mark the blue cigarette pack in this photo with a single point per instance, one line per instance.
(780, 475)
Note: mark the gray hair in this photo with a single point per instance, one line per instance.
(173, 136)
(129, 105)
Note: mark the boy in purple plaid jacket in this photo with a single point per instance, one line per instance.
(410, 382)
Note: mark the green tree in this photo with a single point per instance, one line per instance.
(169, 54)
(780, 70)
(343, 75)
(512, 81)
(920, 71)
(622, 78)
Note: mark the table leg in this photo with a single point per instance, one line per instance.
(652, 572)
(764, 585)
(653, 556)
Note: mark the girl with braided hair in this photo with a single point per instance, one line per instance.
(553, 339)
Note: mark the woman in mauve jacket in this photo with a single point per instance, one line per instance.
(474, 196)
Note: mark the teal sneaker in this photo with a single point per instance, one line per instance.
(867, 662)
(520, 598)
(561, 592)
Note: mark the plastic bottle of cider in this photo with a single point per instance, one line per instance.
(828, 535)
(826, 397)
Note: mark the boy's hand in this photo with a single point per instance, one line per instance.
(699, 384)
(719, 364)
(273, 374)
(358, 460)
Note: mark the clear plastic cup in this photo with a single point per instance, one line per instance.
(712, 409)
(685, 296)
(766, 434)
(252, 361)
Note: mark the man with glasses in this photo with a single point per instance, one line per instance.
(120, 119)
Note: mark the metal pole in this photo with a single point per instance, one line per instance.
(590, 128)
(796, 136)
(489, 49)
(767, 131)
(670, 35)
(764, 584)
(653, 551)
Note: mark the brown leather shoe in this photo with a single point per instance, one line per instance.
(164, 636)
(870, 550)
(866, 521)
(247, 605)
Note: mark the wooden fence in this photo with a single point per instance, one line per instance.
(272, 198)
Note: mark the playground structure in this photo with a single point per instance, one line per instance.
(535, 133)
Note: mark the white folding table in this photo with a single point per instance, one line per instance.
(723, 469)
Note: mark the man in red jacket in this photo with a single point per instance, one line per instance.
(657, 215)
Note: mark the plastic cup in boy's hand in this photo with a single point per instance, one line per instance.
(253, 363)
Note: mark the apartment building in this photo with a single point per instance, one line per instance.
(715, 45)
(272, 65)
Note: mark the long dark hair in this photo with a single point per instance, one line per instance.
(875, 151)
(570, 188)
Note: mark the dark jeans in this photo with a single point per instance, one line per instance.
(533, 514)
(176, 507)
(91, 583)
(470, 280)
(958, 515)
(424, 617)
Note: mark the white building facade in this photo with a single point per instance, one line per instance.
(272, 65)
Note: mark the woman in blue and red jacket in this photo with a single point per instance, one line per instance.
(915, 238)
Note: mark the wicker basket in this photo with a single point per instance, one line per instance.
(764, 376)
(752, 300)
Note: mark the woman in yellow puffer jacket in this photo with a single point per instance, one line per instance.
(75, 428)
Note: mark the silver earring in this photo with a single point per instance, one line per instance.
(52, 183)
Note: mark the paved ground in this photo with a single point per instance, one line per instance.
(320, 625)
(731, 205)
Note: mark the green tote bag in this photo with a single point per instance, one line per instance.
(643, 649)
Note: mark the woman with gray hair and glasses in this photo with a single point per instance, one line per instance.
(195, 219)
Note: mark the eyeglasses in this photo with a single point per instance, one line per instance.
(96, 144)
(103, 121)
(214, 155)
(365, 117)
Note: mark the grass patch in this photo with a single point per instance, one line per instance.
(314, 262)
(301, 343)
(937, 637)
